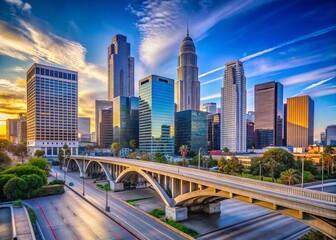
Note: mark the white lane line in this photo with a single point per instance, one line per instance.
(125, 210)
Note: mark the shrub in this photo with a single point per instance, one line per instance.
(18, 203)
(158, 213)
(16, 188)
(5, 160)
(27, 170)
(32, 215)
(56, 182)
(41, 163)
(34, 182)
(182, 228)
(3, 180)
(50, 190)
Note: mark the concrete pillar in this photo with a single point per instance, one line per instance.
(212, 208)
(177, 214)
(116, 187)
(165, 183)
(159, 179)
(173, 188)
(82, 174)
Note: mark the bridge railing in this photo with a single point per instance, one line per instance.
(216, 177)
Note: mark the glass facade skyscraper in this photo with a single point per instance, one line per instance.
(209, 107)
(268, 106)
(156, 115)
(105, 127)
(125, 120)
(52, 109)
(214, 131)
(120, 68)
(191, 129)
(99, 105)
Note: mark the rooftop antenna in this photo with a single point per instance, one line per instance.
(187, 27)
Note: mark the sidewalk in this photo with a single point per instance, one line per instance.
(22, 224)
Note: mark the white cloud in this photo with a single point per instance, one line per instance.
(213, 96)
(211, 81)
(17, 3)
(20, 5)
(24, 41)
(27, 7)
(317, 84)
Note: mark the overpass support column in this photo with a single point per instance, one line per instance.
(177, 214)
(212, 208)
(116, 187)
(165, 183)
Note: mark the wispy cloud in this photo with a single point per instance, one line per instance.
(25, 41)
(213, 96)
(321, 88)
(162, 24)
(296, 40)
(211, 81)
(20, 5)
(318, 83)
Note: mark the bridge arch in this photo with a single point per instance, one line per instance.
(166, 199)
(103, 166)
(68, 160)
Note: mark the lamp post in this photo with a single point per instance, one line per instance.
(199, 157)
(260, 170)
(83, 177)
(322, 173)
(302, 171)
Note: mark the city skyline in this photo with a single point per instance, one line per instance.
(302, 58)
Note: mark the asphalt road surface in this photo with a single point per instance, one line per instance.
(142, 225)
(68, 216)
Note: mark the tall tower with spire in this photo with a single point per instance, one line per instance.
(187, 86)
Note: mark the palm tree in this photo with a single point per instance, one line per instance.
(290, 177)
(226, 150)
(184, 151)
(116, 148)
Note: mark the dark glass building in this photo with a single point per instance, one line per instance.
(214, 131)
(250, 135)
(191, 129)
(268, 124)
(156, 115)
(106, 127)
(125, 120)
(285, 125)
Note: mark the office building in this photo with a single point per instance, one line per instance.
(120, 68)
(52, 109)
(233, 104)
(191, 129)
(99, 105)
(209, 108)
(323, 138)
(11, 130)
(300, 121)
(84, 132)
(331, 135)
(250, 135)
(284, 139)
(105, 128)
(250, 116)
(125, 120)
(22, 128)
(214, 131)
(156, 115)
(268, 104)
(187, 86)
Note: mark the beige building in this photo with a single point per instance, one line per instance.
(300, 121)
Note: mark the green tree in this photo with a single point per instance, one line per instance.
(133, 144)
(226, 150)
(20, 151)
(5, 161)
(16, 188)
(233, 166)
(4, 144)
(116, 148)
(255, 167)
(41, 163)
(184, 152)
(39, 153)
(34, 182)
(308, 177)
(60, 158)
(145, 157)
(21, 170)
(132, 155)
(308, 166)
(290, 177)
(66, 150)
(160, 158)
(106, 188)
(221, 163)
(4, 178)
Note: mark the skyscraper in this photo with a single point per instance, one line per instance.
(323, 138)
(250, 116)
(233, 103)
(105, 127)
(191, 129)
(284, 140)
(22, 128)
(99, 105)
(125, 120)
(209, 107)
(120, 68)
(52, 105)
(300, 121)
(156, 115)
(250, 135)
(84, 134)
(331, 135)
(11, 130)
(214, 132)
(187, 86)
(268, 98)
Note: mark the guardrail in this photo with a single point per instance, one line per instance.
(171, 169)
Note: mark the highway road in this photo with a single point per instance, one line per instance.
(142, 225)
(68, 216)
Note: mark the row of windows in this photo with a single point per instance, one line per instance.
(54, 73)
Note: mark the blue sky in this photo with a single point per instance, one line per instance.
(295, 42)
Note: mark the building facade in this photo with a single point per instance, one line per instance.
(300, 121)
(233, 104)
(125, 120)
(187, 86)
(284, 141)
(250, 135)
(52, 109)
(120, 68)
(214, 132)
(250, 116)
(22, 128)
(323, 139)
(209, 107)
(268, 125)
(331, 135)
(105, 127)
(156, 115)
(191, 129)
(11, 130)
(84, 133)
(99, 105)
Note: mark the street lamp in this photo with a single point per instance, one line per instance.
(199, 157)
(302, 171)
(322, 173)
(83, 178)
(260, 170)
